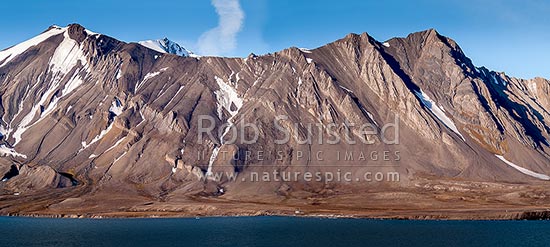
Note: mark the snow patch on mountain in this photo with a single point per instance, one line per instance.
(120, 157)
(305, 50)
(151, 75)
(119, 72)
(153, 45)
(116, 107)
(91, 33)
(211, 161)
(66, 56)
(102, 134)
(174, 97)
(226, 97)
(26, 121)
(3, 131)
(371, 117)
(147, 77)
(72, 84)
(346, 89)
(438, 112)
(116, 144)
(6, 151)
(524, 170)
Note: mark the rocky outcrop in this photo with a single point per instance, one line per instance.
(30, 178)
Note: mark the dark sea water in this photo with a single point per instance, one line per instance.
(269, 231)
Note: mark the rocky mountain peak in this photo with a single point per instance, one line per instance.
(358, 40)
(166, 45)
(77, 32)
(430, 33)
(52, 27)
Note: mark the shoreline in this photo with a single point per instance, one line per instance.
(532, 215)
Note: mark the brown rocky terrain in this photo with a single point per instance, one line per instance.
(92, 126)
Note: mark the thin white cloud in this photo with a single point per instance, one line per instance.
(222, 40)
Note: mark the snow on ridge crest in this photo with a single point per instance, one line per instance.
(12, 52)
(167, 46)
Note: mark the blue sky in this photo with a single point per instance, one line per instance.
(503, 35)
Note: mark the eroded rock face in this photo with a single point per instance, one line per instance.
(122, 117)
(33, 178)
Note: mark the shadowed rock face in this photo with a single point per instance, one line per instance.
(83, 110)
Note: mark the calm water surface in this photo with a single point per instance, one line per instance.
(269, 231)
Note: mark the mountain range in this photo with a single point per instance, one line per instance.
(95, 127)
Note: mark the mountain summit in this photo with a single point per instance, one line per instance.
(167, 46)
(406, 128)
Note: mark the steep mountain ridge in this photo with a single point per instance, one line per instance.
(85, 115)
